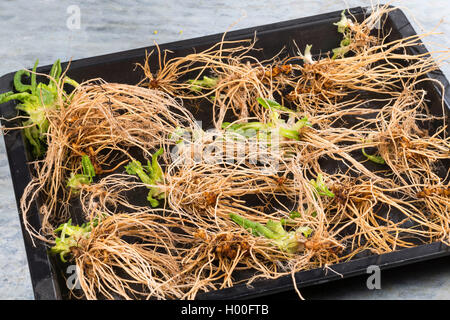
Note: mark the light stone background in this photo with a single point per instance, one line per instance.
(38, 29)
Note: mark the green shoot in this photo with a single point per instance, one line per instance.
(177, 135)
(34, 100)
(321, 187)
(293, 133)
(376, 159)
(307, 56)
(344, 46)
(287, 132)
(70, 237)
(271, 104)
(88, 168)
(295, 214)
(263, 130)
(155, 168)
(343, 23)
(76, 181)
(255, 228)
(248, 130)
(284, 240)
(292, 216)
(342, 50)
(151, 174)
(206, 83)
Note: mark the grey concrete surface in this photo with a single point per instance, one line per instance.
(39, 29)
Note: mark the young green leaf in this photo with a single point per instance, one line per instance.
(284, 240)
(56, 70)
(256, 228)
(151, 174)
(70, 237)
(87, 166)
(307, 56)
(295, 214)
(344, 46)
(76, 181)
(376, 159)
(343, 23)
(320, 186)
(306, 231)
(18, 85)
(34, 100)
(271, 104)
(207, 82)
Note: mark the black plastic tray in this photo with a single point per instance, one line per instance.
(118, 67)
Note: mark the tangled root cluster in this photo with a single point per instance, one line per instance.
(365, 169)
